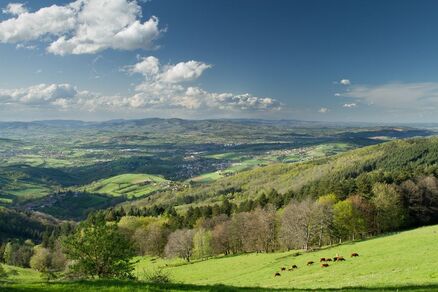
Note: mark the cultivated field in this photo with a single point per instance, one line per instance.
(131, 185)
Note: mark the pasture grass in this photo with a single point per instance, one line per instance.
(404, 261)
(131, 185)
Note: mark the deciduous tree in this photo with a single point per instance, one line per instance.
(99, 250)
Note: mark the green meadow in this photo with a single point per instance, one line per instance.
(130, 185)
(405, 261)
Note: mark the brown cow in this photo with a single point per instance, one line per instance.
(340, 259)
(283, 269)
(322, 260)
(324, 265)
(328, 259)
(294, 267)
(310, 263)
(277, 274)
(354, 254)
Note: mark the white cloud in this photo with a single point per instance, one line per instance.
(84, 27)
(27, 47)
(323, 110)
(148, 67)
(151, 68)
(164, 87)
(30, 26)
(406, 96)
(350, 105)
(154, 95)
(345, 82)
(58, 95)
(15, 9)
(183, 71)
(337, 94)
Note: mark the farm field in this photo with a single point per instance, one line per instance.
(404, 261)
(130, 185)
(241, 161)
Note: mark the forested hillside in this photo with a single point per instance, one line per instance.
(353, 172)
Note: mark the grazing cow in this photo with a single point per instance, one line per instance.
(324, 265)
(354, 254)
(283, 269)
(290, 270)
(340, 259)
(310, 263)
(328, 259)
(294, 267)
(322, 260)
(277, 274)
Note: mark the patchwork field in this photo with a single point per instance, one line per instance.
(130, 185)
(241, 161)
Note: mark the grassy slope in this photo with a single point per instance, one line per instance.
(131, 185)
(404, 261)
(407, 258)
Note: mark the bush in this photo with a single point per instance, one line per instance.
(3, 273)
(48, 275)
(157, 276)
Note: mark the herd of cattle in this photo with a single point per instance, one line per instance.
(323, 262)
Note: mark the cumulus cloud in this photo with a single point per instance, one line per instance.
(163, 87)
(349, 105)
(345, 82)
(42, 95)
(30, 26)
(151, 68)
(323, 110)
(84, 27)
(15, 9)
(183, 71)
(148, 67)
(397, 95)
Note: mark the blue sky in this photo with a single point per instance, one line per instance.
(105, 59)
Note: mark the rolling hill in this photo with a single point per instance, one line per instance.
(343, 174)
(129, 185)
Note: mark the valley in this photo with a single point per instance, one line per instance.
(111, 158)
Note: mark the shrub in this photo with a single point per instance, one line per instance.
(157, 276)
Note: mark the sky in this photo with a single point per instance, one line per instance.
(346, 61)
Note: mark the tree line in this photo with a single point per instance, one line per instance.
(104, 245)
